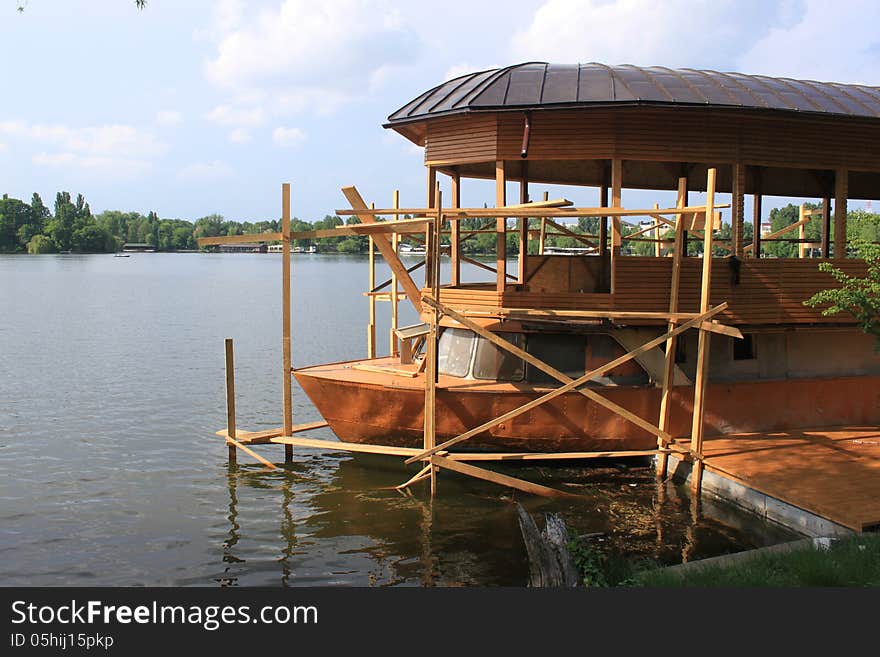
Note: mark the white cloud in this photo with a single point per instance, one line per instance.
(115, 151)
(237, 116)
(239, 136)
(807, 49)
(288, 137)
(676, 33)
(169, 117)
(312, 55)
(106, 166)
(205, 171)
(463, 68)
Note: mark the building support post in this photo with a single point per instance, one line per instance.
(738, 210)
(616, 188)
(500, 228)
(431, 370)
(429, 253)
(455, 231)
(826, 226)
(841, 190)
(285, 312)
(756, 214)
(523, 224)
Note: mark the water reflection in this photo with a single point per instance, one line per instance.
(344, 524)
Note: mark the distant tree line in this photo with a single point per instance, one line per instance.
(71, 226)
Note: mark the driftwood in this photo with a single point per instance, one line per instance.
(550, 562)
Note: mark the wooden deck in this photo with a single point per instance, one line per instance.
(831, 472)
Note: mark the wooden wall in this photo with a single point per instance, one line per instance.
(770, 291)
(668, 135)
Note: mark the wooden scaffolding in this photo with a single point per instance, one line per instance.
(429, 225)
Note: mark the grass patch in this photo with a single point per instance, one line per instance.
(851, 562)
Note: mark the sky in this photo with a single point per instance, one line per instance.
(207, 106)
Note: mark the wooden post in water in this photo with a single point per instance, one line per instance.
(430, 426)
(230, 400)
(285, 312)
(395, 240)
(671, 343)
(703, 344)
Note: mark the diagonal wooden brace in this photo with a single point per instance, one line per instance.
(384, 245)
(569, 383)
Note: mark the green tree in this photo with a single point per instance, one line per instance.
(859, 297)
(16, 221)
(40, 244)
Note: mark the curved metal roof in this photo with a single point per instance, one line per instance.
(538, 85)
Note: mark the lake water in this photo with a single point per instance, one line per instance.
(111, 389)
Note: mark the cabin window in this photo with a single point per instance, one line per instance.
(744, 349)
(493, 363)
(566, 353)
(454, 351)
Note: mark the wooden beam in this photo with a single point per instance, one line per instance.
(546, 456)
(419, 476)
(616, 192)
(757, 200)
(826, 226)
(500, 479)
(393, 346)
(500, 228)
(841, 189)
(523, 225)
(573, 384)
(604, 265)
(703, 343)
(543, 233)
(803, 220)
(455, 236)
(240, 239)
(265, 436)
(233, 443)
(536, 209)
(230, 397)
(738, 205)
(402, 227)
(409, 286)
(317, 443)
(565, 231)
(782, 231)
(672, 342)
(371, 326)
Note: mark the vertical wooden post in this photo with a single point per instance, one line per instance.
(431, 373)
(285, 312)
(657, 235)
(543, 234)
(230, 400)
(432, 190)
(756, 215)
(523, 224)
(738, 209)
(395, 240)
(671, 343)
(455, 231)
(841, 189)
(802, 230)
(603, 238)
(703, 344)
(500, 227)
(616, 187)
(826, 226)
(371, 328)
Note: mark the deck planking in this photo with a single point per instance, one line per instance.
(833, 472)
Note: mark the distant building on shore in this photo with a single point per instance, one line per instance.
(138, 247)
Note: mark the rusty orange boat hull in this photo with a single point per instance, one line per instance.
(374, 407)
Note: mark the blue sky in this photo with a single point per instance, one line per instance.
(190, 108)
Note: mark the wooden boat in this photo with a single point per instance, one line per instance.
(608, 128)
